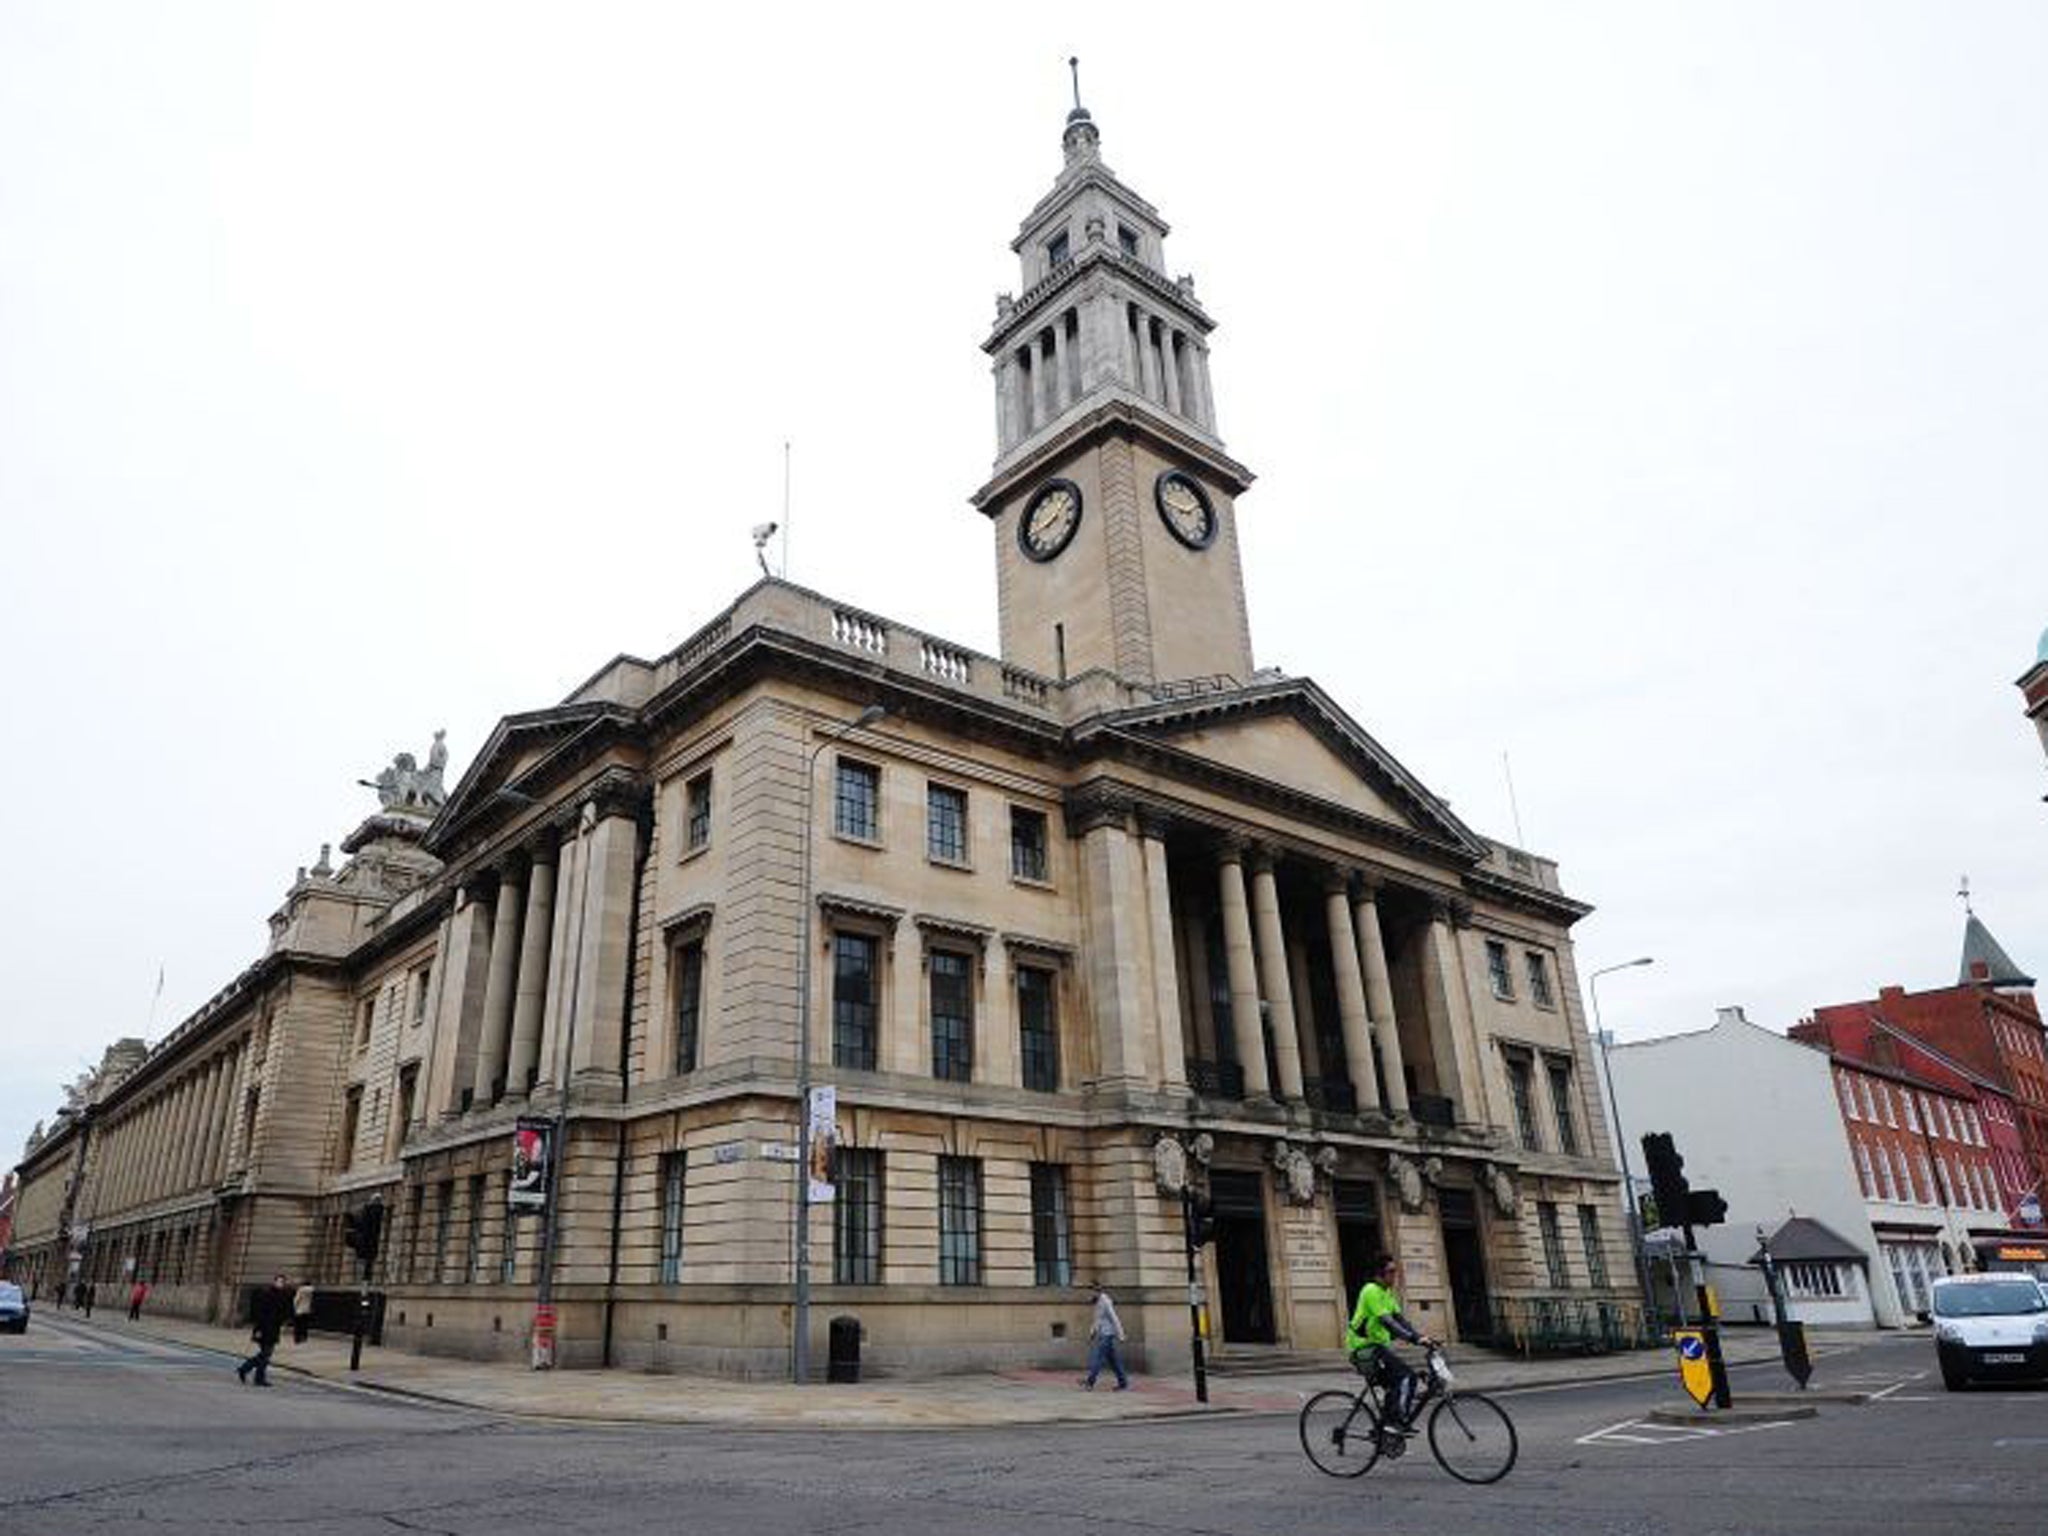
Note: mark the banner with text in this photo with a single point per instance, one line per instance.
(824, 1113)
(533, 1143)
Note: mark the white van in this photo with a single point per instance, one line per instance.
(1990, 1328)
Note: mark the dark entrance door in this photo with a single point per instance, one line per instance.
(1241, 1270)
(1465, 1261)
(1358, 1235)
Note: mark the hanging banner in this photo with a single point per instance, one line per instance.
(532, 1146)
(824, 1115)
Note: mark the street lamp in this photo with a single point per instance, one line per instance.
(1628, 1178)
(543, 1347)
(800, 1342)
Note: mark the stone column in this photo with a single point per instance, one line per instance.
(1044, 380)
(160, 1142)
(1245, 1027)
(1148, 362)
(1117, 935)
(1169, 358)
(1062, 385)
(465, 971)
(1379, 992)
(1194, 937)
(996, 1053)
(190, 1132)
(1443, 997)
(1166, 1010)
(1198, 371)
(494, 1039)
(530, 997)
(233, 1153)
(605, 939)
(216, 1113)
(1272, 943)
(1353, 1019)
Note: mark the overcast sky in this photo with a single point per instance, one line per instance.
(1652, 393)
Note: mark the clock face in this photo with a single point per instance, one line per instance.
(1049, 520)
(1185, 509)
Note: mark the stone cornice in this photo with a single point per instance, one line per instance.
(1117, 413)
(854, 906)
(1099, 803)
(1526, 898)
(1028, 305)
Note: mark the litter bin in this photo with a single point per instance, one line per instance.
(844, 1363)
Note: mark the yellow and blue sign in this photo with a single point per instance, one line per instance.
(1694, 1371)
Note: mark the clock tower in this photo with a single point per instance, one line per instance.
(1113, 503)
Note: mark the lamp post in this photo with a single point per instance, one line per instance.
(543, 1348)
(800, 1341)
(1628, 1178)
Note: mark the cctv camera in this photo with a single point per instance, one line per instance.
(763, 532)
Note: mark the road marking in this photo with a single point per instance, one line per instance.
(1878, 1397)
(1644, 1432)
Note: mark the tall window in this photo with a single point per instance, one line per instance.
(857, 801)
(1052, 1241)
(1127, 239)
(1589, 1238)
(1057, 251)
(408, 1091)
(959, 1221)
(857, 1217)
(688, 974)
(952, 1016)
(697, 812)
(1521, 1088)
(1038, 1028)
(945, 824)
(672, 1218)
(415, 1203)
(351, 1118)
(1553, 1245)
(1560, 1072)
(1912, 1117)
(473, 1257)
(365, 1017)
(1539, 979)
(1497, 970)
(420, 979)
(444, 1213)
(853, 1001)
(508, 1235)
(1027, 844)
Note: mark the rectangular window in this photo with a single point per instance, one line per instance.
(473, 1257)
(1038, 1029)
(857, 801)
(508, 1237)
(952, 1000)
(672, 1218)
(1127, 239)
(420, 978)
(1891, 1113)
(1521, 1089)
(1497, 970)
(351, 1118)
(945, 824)
(1863, 1167)
(1052, 1239)
(1539, 979)
(853, 1001)
(444, 1215)
(1553, 1246)
(1057, 251)
(697, 812)
(415, 1203)
(408, 1091)
(1027, 844)
(1912, 1117)
(1589, 1238)
(365, 1017)
(687, 973)
(959, 1221)
(857, 1217)
(1561, 1101)
(1847, 1095)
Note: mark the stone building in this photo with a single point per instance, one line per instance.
(1051, 920)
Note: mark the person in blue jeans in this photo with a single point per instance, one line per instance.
(1104, 1334)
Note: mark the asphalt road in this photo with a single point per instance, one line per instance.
(116, 1433)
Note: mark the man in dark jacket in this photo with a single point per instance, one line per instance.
(273, 1309)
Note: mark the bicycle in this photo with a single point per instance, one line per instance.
(1346, 1433)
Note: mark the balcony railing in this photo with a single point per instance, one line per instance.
(1571, 1325)
(1331, 1093)
(1432, 1109)
(1216, 1079)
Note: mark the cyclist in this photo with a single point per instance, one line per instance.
(1375, 1323)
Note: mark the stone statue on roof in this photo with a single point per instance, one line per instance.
(405, 786)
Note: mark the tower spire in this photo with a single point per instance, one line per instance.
(1074, 63)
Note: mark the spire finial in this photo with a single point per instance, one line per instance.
(1963, 895)
(1074, 64)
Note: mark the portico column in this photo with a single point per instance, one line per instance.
(530, 996)
(209, 1155)
(500, 984)
(1444, 995)
(195, 1113)
(1352, 1019)
(1044, 381)
(1379, 993)
(1170, 366)
(1245, 1028)
(1148, 363)
(1062, 390)
(1173, 1069)
(1279, 991)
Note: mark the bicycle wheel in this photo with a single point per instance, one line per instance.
(1340, 1434)
(1473, 1438)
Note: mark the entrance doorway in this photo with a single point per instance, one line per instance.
(1242, 1274)
(1465, 1264)
(1358, 1235)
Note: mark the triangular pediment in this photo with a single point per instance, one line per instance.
(518, 745)
(1290, 734)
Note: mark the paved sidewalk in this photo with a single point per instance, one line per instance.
(987, 1399)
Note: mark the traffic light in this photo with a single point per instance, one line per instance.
(1667, 1178)
(361, 1230)
(1705, 1208)
(1201, 1217)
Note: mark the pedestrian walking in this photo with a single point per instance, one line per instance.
(92, 1290)
(136, 1298)
(273, 1305)
(1104, 1334)
(302, 1311)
